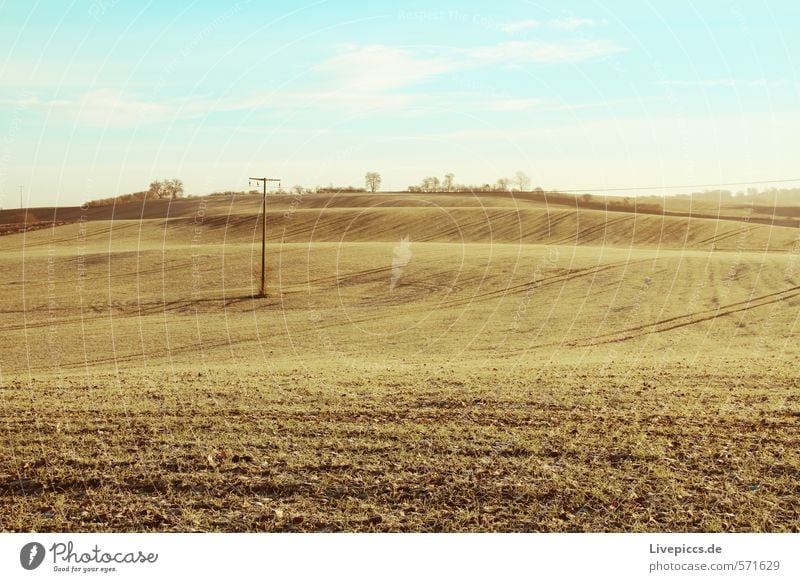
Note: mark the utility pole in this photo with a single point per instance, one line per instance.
(263, 291)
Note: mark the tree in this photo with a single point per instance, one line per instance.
(427, 184)
(373, 181)
(172, 188)
(165, 189)
(154, 191)
(447, 184)
(522, 180)
(502, 184)
(435, 183)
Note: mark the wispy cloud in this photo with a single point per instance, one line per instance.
(708, 83)
(29, 100)
(521, 25)
(512, 104)
(539, 105)
(354, 79)
(544, 52)
(377, 77)
(571, 23)
(373, 77)
(335, 96)
(99, 107)
(113, 108)
(108, 107)
(352, 99)
(567, 23)
(377, 67)
(282, 131)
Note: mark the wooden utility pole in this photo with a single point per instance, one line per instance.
(263, 290)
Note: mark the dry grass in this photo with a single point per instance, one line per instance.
(551, 449)
(534, 369)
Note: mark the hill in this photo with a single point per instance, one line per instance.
(421, 362)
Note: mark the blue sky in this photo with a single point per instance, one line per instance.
(100, 97)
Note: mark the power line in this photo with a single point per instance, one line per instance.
(674, 187)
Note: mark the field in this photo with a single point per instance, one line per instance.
(422, 362)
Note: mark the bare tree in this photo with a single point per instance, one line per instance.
(154, 191)
(436, 186)
(522, 180)
(502, 184)
(447, 184)
(165, 189)
(373, 181)
(173, 188)
(427, 184)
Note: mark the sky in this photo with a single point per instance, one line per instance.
(101, 97)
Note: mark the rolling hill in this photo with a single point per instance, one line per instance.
(507, 363)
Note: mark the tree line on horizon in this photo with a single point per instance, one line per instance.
(521, 182)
